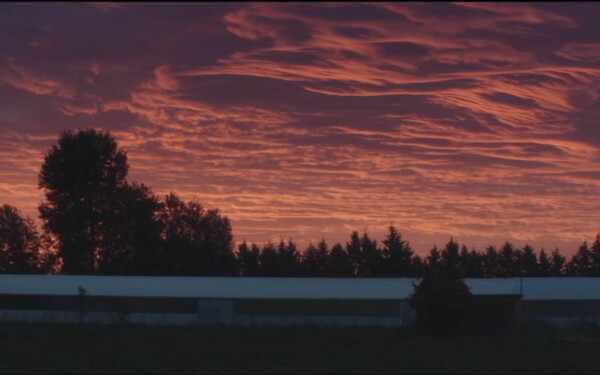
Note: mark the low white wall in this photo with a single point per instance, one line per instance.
(549, 288)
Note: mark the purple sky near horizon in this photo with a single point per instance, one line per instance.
(479, 121)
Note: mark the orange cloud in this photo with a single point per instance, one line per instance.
(14, 75)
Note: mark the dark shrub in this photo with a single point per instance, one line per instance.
(442, 301)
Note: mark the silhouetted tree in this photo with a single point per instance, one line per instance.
(310, 262)
(508, 261)
(490, 262)
(372, 259)
(353, 248)
(21, 249)
(418, 266)
(339, 264)
(544, 264)
(323, 257)
(517, 268)
(397, 255)
(79, 177)
(270, 261)
(529, 263)
(450, 256)
(441, 299)
(197, 241)
(471, 262)
(463, 259)
(290, 258)
(218, 242)
(315, 260)
(131, 243)
(581, 262)
(433, 260)
(248, 259)
(557, 263)
(595, 251)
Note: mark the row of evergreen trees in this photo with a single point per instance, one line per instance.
(96, 222)
(184, 246)
(362, 257)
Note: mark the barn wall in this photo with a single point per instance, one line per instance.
(203, 311)
(247, 301)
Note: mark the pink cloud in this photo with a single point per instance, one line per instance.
(585, 52)
(24, 79)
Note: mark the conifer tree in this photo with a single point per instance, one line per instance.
(372, 260)
(544, 264)
(248, 259)
(339, 264)
(557, 263)
(270, 261)
(397, 255)
(529, 262)
(581, 262)
(491, 262)
(596, 256)
(310, 262)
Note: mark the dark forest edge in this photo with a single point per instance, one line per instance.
(96, 222)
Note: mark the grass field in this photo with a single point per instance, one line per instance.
(31, 348)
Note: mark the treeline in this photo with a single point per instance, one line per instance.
(96, 222)
(362, 257)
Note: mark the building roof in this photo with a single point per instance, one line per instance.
(555, 288)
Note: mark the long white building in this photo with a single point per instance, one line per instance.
(262, 300)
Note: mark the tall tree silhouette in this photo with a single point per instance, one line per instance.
(581, 262)
(372, 259)
(339, 264)
(323, 255)
(315, 260)
(471, 262)
(450, 255)
(508, 261)
(595, 250)
(248, 259)
(131, 244)
(418, 266)
(544, 264)
(79, 177)
(218, 242)
(270, 261)
(397, 254)
(490, 262)
(433, 260)
(442, 298)
(20, 245)
(557, 263)
(197, 241)
(529, 262)
(353, 248)
(310, 262)
(289, 258)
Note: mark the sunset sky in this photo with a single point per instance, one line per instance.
(479, 121)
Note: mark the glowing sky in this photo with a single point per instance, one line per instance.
(476, 120)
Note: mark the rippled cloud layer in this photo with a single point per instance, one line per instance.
(477, 120)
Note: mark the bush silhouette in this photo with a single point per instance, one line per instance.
(442, 301)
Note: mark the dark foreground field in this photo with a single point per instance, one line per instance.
(27, 348)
